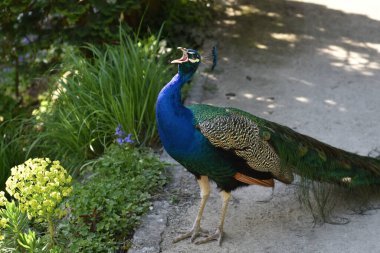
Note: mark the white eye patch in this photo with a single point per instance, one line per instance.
(193, 60)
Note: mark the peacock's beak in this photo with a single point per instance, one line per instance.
(184, 57)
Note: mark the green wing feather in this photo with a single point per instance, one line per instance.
(297, 153)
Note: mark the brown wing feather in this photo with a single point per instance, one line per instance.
(250, 180)
(237, 133)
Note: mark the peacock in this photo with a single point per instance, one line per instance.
(234, 148)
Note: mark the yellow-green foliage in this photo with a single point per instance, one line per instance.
(3, 200)
(40, 186)
(3, 221)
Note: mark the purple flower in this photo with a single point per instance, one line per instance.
(21, 58)
(25, 41)
(120, 141)
(7, 69)
(30, 38)
(128, 139)
(119, 131)
(123, 137)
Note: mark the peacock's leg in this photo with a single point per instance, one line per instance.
(218, 235)
(196, 230)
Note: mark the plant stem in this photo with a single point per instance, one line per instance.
(51, 230)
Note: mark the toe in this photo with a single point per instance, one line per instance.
(193, 234)
(182, 237)
(218, 235)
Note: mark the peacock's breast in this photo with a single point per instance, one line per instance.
(200, 157)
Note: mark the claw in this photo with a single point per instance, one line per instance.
(218, 235)
(181, 237)
(194, 233)
(201, 232)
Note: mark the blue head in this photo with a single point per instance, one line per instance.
(188, 63)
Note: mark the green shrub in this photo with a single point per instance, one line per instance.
(33, 34)
(13, 140)
(187, 21)
(15, 232)
(119, 85)
(13, 223)
(39, 186)
(107, 206)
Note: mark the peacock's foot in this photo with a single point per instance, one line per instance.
(194, 233)
(218, 235)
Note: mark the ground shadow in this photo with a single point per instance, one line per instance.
(290, 26)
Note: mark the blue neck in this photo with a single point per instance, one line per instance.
(173, 118)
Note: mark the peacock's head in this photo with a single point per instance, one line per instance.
(189, 61)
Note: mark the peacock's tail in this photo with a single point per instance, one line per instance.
(316, 160)
(321, 167)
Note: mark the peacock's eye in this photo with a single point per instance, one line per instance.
(193, 58)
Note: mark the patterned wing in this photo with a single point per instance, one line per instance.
(241, 135)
